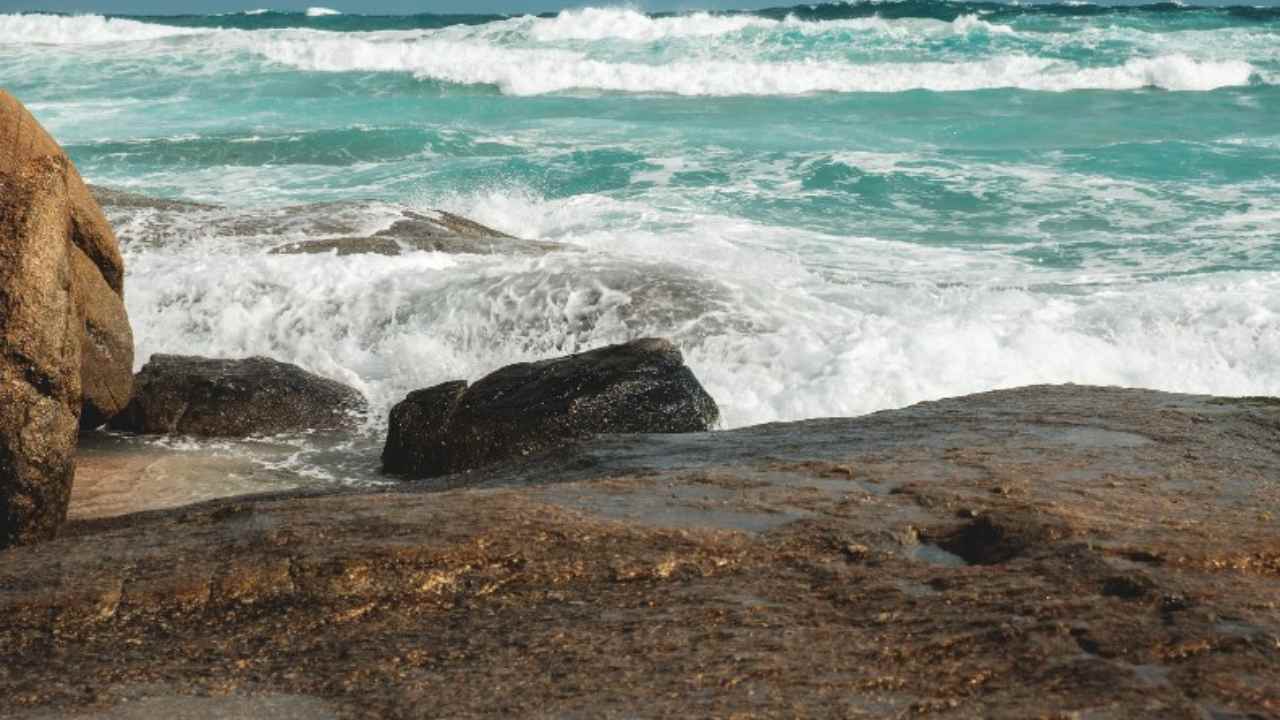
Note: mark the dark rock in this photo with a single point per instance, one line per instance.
(182, 395)
(65, 341)
(519, 410)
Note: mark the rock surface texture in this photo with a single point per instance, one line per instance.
(183, 395)
(528, 408)
(66, 349)
(1047, 552)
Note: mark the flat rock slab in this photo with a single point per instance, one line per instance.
(1040, 552)
(150, 706)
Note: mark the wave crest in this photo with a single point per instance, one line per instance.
(39, 28)
(518, 71)
(596, 24)
(625, 24)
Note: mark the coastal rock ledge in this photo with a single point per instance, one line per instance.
(211, 397)
(66, 348)
(528, 408)
(1045, 552)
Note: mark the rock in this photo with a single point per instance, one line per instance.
(183, 395)
(443, 232)
(106, 346)
(66, 349)
(1112, 554)
(110, 197)
(329, 227)
(519, 410)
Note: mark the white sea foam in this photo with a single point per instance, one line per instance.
(82, 29)
(627, 24)
(522, 71)
(779, 322)
(592, 24)
(321, 12)
(966, 24)
(770, 339)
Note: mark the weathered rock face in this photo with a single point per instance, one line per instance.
(640, 386)
(1046, 552)
(183, 395)
(106, 345)
(61, 315)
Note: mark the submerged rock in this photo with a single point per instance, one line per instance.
(1039, 552)
(339, 227)
(66, 348)
(441, 232)
(184, 395)
(111, 197)
(522, 409)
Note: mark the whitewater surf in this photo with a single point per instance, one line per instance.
(831, 209)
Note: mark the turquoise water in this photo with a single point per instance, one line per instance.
(833, 209)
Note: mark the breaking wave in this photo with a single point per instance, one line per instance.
(535, 72)
(82, 29)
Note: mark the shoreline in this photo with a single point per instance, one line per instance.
(1052, 547)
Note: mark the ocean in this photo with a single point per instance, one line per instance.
(832, 209)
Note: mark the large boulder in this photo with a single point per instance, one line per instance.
(638, 387)
(185, 395)
(64, 335)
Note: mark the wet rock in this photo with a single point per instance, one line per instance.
(760, 572)
(527, 408)
(184, 395)
(440, 232)
(326, 227)
(113, 198)
(66, 348)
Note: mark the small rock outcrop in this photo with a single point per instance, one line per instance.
(638, 387)
(440, 232)
(184, 395)
(66, 349)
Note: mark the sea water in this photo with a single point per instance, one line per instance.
(831, 209)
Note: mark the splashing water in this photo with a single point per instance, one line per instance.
(832, 209)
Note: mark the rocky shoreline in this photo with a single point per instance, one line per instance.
(580, 543)
(1062, 551)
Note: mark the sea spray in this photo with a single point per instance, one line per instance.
(832, 209)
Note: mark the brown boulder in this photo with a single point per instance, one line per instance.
(61, 310)
(106, 347)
